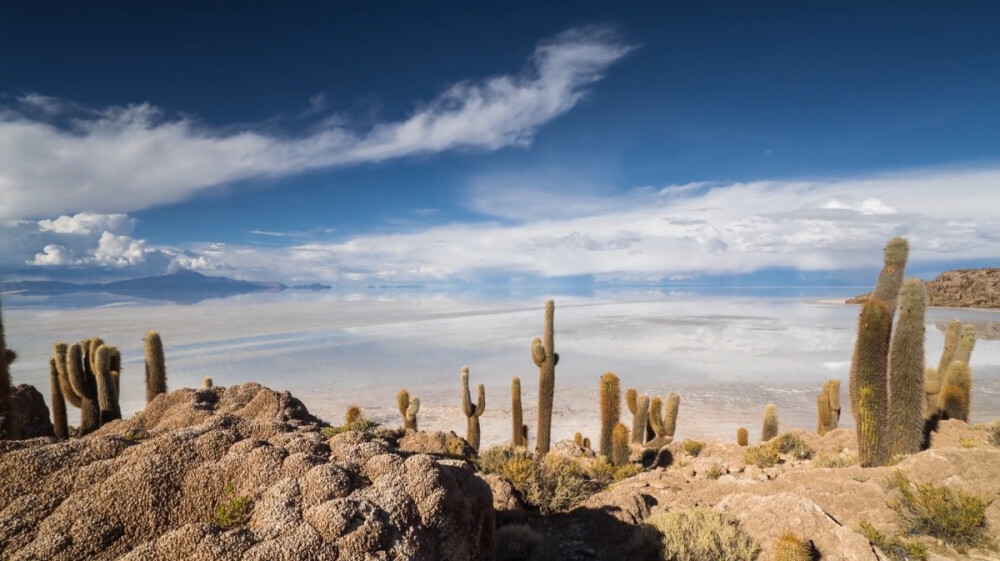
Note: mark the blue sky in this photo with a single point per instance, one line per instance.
(451, 143)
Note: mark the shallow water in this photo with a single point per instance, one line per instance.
(726, 356)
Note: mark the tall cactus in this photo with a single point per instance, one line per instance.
(472, 412)
(6, 391)
(833, 396)
(82, 383)
(516, 413)
(769, 429)
(59, 423)
(545, 358)
(906, 372)
(640, 419)
(951, 335)
(610, 395)
(408, 409)
(868, 380)
(670, 416)
(619, 445)
(824, 412)
(956, 395)
(156, 370)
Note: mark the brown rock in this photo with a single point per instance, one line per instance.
(964, 288)
(437, 443)
(151, 498)
(32, 413)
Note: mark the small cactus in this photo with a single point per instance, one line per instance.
(406, 409)
(742, 437)
(833, 396)
(59, 423)
(957, 392)
(619, 445)
(586, 443)
(640, 419)
(770, 427)
(657, 423)
(545, 358)
(156, 370)
(670, 416)
(206, 383)
(868, 382)
(578, 439)
(517, 415)
(905, 428)
(966, 341)
(610, 410)
(790, 547)
(472, 412)
(352, 416)
(825, 412)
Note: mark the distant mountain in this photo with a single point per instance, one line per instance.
(963, 288)
(182, 286)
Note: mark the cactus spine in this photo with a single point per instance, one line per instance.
(610, 411)
(906, 372)
(619, 445)
(957, 392)
(742, 437)
(545, 357)
(6, 391)
(770, 427)
(640, 419)
(670, 416)
(517, 415)
(868, 380)
(790, 547)
(472, 413)
(408, 408)
(156, 370)
(59, 424)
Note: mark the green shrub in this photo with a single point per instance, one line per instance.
(515, 464)
(762, 455)
(956, 517)
(699, 534)
(693, 447)
(560, 484)
(360, 424)
(792, 445)
(897, 548)
(518, 542)
(232, 511)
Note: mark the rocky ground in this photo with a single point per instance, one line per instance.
(965, 288)
(151, 487)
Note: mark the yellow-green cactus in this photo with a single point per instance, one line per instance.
(906, 372)
(610, 410)
(890, 280)
(517, 415)
(769, 429)
(640, 419)
(59, 423)
(869, 367)
(742, 437)
(966, 341)
(956, 396)
(405, 403)
(619, 445)
(824, 412)
(107, 399)
(207, 383)
(545, 358)
(670, 415)
(951, 335)
(156, 370)
(790, 547)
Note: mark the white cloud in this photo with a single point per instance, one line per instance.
(87, 223)
(54, 254)
(127, 158)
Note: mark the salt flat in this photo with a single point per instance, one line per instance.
(726, 356)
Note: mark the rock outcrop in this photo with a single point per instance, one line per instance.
(151, 487)
(964, 288)
(32, 413)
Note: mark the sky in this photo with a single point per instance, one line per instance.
(415, 143)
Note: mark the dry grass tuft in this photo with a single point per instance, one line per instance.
(518, 542)
(955, 517)
(697, 534)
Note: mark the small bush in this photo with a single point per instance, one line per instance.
(993, 431)
(897, 548)
(762, 455)
(836, 460)
(513, 464)
(518, 542)
(136, 434)
(693, 447)
(232, 511)
(714, 472)
(956, 517)
(792, 445)
(698, 534)
(360, 424)
(560, 484)
(968, 442)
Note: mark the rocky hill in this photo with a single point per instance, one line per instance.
(236, 473)
(964, 288)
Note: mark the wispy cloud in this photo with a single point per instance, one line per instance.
(122, 159)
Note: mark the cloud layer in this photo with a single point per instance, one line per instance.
(56, 157)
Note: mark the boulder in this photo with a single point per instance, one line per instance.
(31, 411)
(153, 487)
(446, 444)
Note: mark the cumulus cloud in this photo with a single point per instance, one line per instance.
(121, 159)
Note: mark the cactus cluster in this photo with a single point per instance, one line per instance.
(948, 389)
(828, 406)
(581, 441)
(408, 409)
(545, 358)
(663, 425)
(472, 412)
(87, 375)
